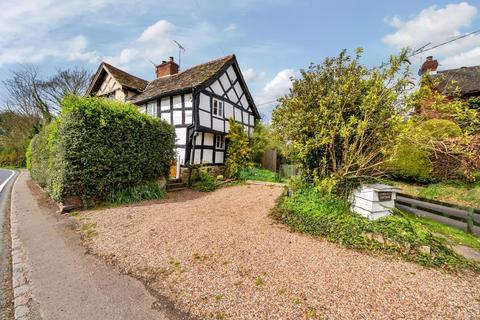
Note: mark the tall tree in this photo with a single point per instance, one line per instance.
(29, 94)
(341, 117)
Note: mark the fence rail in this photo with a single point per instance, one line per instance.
(466, 219)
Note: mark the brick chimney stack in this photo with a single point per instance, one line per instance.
(167, 68)
(429, 66)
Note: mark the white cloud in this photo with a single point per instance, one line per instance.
(435, 25)
(231, 27)
(157, 31)
(431, 25)
(30, 30)
(156, 43)
(251, 75)
(275, 88)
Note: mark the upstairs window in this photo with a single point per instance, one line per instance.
(219, 142)
(218, 108)
(152, 108)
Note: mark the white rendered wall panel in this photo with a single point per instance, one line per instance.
(245, 117)
(188, 116)
(232, 96)
(231, 73)
(244, 101)
(166, 116)
(181, 135)
(196, 158)
(217, 89)
(205, 119)
(207, 156)
(204, 102)
(219, 157)
(188, 100)
(165, 103)
(238, 114)
(177, 117)
(225, 83)
(177, 102)
(208, 139)
(217, 124)
(228, 110)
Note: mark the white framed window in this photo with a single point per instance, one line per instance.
(218, 108)
(152, 108)
(219, 142)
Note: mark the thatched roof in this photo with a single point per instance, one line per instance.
(183, 80)
(465, 79)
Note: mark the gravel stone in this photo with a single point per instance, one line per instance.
(220, 255)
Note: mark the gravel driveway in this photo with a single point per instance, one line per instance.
(219, 255)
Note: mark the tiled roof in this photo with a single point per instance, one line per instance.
(183, 80)
(466, 79)
(126, 79)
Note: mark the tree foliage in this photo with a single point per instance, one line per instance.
(98, 146)
(239, 152)
(29, 94)
(340, 118)
(412, 156)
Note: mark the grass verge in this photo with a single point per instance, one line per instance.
(259, 174)
(149, 191)
(452, 192)
(400, 234)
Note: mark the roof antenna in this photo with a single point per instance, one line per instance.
(152, 63)
(180, 50)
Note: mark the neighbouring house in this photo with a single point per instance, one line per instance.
(464, 81)
(198, 101)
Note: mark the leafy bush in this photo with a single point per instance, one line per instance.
(341, 117)
(205, 181)
(97, 146)
(239, 153)
(412, 154)
(149, 191)
(402, 234)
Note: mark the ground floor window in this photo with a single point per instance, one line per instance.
(219, 142)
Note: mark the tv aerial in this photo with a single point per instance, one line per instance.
(181, 50)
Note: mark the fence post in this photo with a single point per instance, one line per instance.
(470, 220)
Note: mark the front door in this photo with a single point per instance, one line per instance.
(173, 170)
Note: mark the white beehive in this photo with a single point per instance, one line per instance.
(373, 201)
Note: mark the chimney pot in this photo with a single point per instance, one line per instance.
(166, 68)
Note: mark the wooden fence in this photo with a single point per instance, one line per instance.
(466, 219)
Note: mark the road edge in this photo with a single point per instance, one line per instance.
(23, 299)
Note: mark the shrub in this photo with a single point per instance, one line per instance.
(97, 147)
(401, 234)
(412, 154)
(205, 181)
(239, 153)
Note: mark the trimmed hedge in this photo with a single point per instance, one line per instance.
(98, 146)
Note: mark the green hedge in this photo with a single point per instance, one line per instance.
(98, 146)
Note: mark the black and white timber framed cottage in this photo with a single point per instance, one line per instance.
(197, 101)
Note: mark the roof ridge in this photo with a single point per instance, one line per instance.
(230, 56)
(112, 66)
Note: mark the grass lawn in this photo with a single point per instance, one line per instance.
(452, 192)
(259, 174)
(400, 234)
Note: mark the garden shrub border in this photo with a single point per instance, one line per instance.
(97, 147)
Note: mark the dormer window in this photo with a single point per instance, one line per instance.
(218, 108)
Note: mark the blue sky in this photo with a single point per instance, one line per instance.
(272, 39)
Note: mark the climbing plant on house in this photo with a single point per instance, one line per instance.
(239, 151)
